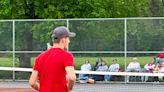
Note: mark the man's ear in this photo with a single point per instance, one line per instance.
(62, 40)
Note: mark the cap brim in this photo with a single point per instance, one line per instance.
(71, 34)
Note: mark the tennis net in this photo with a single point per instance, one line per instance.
(118, 82)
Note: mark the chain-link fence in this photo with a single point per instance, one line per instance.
(109, 38)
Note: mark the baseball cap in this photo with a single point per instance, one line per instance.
(62, 31)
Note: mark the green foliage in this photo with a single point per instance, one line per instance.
(145, 35)
(99, 35)
(20, 9)
(6, 36)
(5, 9)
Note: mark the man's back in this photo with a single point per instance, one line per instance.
(51, 67)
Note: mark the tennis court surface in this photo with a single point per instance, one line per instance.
(9, 86)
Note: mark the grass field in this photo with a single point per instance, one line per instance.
(7, 61)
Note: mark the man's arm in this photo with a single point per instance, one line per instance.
(33, 81)
(71, 77)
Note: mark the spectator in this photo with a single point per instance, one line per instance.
(160, 57)
(86, 66)
(98, 62)
(156, 70)
(85, 78)
(162, 71)
(148, 68)
(114, 67)
(97, 77)
(102, 67)
(162, 68)
(133, 66)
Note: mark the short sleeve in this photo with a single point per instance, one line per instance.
(36, 67)
(68, 60)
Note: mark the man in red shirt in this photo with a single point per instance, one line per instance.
(52, 66)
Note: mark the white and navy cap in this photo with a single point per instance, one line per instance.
(62, 31)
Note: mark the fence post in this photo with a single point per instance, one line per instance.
(125, 43)
(13, 52)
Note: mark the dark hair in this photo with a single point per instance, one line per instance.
(57, 40)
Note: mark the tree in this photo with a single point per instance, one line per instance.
(145, 35)
(156, 8)
(97, 35)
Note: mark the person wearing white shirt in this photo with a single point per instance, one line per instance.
(114, 67)
(86, 66)
(84, 78)
(133, 66)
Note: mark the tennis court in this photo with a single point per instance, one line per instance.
(9, 86)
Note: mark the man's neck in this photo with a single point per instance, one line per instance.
(55, 45)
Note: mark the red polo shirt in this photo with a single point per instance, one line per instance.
(51, 67)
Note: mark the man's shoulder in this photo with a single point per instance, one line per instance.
(67, 53)
(42, 54)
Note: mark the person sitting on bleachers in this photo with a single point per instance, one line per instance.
(102, 66)
(156, 70)
(148, 68)
(162, 71)
(98, 62)
(85, 78)
(162, 68)
(114, 67)
(133, 66)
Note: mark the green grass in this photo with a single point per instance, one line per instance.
(7, 61)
